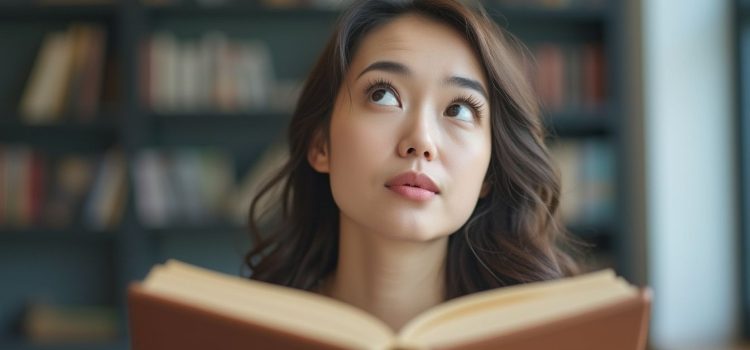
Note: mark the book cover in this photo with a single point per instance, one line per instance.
(181, 306)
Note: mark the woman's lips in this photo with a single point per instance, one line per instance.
(413, 185)
(413, 193)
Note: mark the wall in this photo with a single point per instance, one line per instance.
(691, 203)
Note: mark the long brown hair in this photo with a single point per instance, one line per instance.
(514, 234)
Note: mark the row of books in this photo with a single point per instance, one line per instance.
(66, 79)
(195, 186)
(199, 186)
(216, 73)
(212, 73)
(60, 191)
(570, 77)
(588, 180)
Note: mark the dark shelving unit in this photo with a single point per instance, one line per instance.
(742, 88)
(131, 249)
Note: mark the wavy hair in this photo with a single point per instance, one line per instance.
(514, 234)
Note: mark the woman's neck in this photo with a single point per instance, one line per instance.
(392, 279)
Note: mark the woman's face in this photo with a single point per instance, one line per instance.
(409, 141)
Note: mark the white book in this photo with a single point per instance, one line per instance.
(258, 74)
(186, 175)
(150, 189)
(103, 207)
(162, 79)
(45, 93)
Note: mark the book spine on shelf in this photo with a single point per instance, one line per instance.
(569, 77)
(213, 73)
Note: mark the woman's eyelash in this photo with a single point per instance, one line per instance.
(472, 102)
(379, 83)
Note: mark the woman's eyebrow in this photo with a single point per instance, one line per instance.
(467, 83)
(401, 69)
(388, 66)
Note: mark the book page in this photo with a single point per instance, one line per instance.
(506, 309)
(280, 307)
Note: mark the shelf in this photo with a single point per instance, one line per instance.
(197, 230)
(590, 229)
(36, 234)
(95, 132)
(579, 124)
(600, 235)
(237, 131)
(30, 11)
(218, 119)
(75, 135)
(501, 12)
(745, 11)
(535, 14)
(242, 10)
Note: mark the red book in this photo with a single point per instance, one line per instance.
(37, 188)
(593, 76)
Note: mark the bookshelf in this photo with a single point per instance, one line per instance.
(94, 266)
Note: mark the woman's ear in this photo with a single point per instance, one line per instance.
(317, 154)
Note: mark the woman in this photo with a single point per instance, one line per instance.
(418, 171)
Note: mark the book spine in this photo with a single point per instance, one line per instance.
(91, 76)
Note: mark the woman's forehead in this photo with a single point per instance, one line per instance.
(424, 45)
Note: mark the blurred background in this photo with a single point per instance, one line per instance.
(133, 131)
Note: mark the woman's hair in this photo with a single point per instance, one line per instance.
(514, 234)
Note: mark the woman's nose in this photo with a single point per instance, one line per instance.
(418, 140)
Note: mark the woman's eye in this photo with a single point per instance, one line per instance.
(460, 112)
(384, 97)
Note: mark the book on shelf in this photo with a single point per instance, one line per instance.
(66, 78)
(180, 306)
(569, 77)
(106, 200)
(587, 169)
(52, 324)
(38, 190)
(213, 73)
(182, 186)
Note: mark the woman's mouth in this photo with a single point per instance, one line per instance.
(413, 186)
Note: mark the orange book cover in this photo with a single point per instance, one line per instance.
(180, 306)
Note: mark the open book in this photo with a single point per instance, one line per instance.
(180, 306)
